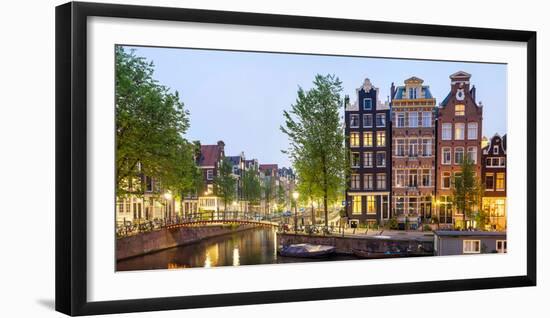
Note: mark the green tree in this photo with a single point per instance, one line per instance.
(252, 190)
(316, 136)
(467, 191)
(150, 123)
(224, 182)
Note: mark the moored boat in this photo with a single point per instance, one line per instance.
(307, 250)
(375, 255)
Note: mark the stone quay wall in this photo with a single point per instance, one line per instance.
(154, 241)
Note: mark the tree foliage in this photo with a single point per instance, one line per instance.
(316, 139)
(467, 191)
(224, 182)
(251, 188)
(150, 123)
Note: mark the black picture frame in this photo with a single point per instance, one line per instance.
(71, 157)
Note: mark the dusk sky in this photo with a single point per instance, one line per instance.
(239, 97)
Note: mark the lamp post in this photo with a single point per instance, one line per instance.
(167, 198)
(295, 195)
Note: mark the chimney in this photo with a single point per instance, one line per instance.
(221, 145)
(392, 91)
(346, 101)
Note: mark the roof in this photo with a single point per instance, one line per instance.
(265, 167)
(469, 233)
(235, 160)
(210, 155)
(460, 75)
(400, 90)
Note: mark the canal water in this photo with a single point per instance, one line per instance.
(250, 247)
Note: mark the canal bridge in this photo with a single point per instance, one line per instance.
(222, 222)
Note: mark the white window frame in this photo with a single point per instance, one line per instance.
(474, 152)
(472, 127)
(446, 127)
(358, 161)
(370, 198)
(443, 162)
(355, 133)
(368, 181)
(427, 146)
(443, 175)
(413, 122)
(210, 174)
(365, 121)
(397, 144)
(376, 159)
(378, 133)
(397, 117)
(455, 156)
(458, 126)
(426, 119)
(365, 161)
(471, 243)
(366, 133)
(364, 104)
(350, 121)
(383, 116)
(503, 248)
(400, 173)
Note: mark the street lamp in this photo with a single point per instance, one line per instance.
(295, 195)
(168, 198)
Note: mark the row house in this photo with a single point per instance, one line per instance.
(287, 179)
(459, 119)
(269, 179)
(413, 157)
(238, 167)
(151, 203)
(494, 180)
(209, 161)
(368, 132)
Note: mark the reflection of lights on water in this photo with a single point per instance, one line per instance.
(274, 232)
(236, 257)
(211, 256)
(207, 261)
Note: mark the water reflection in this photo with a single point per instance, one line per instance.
(250, 247)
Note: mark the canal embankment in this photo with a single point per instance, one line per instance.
(346, 244)
(154, 241)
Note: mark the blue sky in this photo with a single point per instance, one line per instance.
(239, 97)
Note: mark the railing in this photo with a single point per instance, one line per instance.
(129, 228)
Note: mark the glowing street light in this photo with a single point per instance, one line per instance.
(295, 195)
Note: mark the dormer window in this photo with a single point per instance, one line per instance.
(495, 150)
(367, 104)
(412, 93)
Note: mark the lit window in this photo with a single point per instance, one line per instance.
(367, 181)
(380, 120)
(446, 131)
(356, 200)
(500, 181)
(472, 131)
(472, 155)
(367, 120)
(367, 139)
(367, 104)
(354, 139)
(371, 204)
(413, 119)
(380, 138)
(459, 155)
(471, 246)
(459, 110)
(459, 131)
(367, 159)
(354, 121)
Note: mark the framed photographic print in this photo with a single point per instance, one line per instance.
(211, 158)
